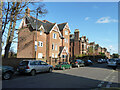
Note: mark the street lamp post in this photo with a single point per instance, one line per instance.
(36, 35)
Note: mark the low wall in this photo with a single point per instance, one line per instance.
(14, 62)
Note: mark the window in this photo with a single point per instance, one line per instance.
(56, 47)
(84, 45)
(54, 36)
(53, 46)
(43, 63)
(40, 44)
(52, 55)
(63, 56)
(40, 55)
(66, 49)
(66, 32)
(40, 32)
(65, 39)
(56, 55)
(35, 42)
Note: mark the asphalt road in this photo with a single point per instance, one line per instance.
(95, 76)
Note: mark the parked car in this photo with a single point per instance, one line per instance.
(34, 66)
(78, 63)
(63, 65)
(118, 62)
(111, 62)
(100, 60)
(88, 62)
(7, 72)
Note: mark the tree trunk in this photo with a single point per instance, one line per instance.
(7, 47)
(1, 5)
(6, 19)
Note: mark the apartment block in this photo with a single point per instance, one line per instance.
(43, 40)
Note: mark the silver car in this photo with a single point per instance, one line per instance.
(34, 66)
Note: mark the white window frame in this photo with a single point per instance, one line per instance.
(54, 35)
(56, 47)
(65, 40)
(66, 32)
(52, 46)
(40, 55)
(40, 32)
(40, 44)
(52, 55)
(56, 55)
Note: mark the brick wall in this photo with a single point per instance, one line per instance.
(25, 43)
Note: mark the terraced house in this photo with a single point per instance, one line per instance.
(49, 42)
(78, 45)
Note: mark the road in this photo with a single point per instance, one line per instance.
(95, 76)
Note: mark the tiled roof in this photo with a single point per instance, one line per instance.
(48, 26)
(61, 26)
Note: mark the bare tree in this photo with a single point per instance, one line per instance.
(16, 13)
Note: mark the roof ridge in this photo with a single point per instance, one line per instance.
(62, 23)
(37, 19)
(47, 21)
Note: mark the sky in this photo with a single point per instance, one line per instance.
(98, 21)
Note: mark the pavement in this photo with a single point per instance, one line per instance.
(89, 77)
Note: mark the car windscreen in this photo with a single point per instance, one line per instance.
(111, 60)
(24, 63)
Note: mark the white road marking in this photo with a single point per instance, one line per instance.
(108, 85)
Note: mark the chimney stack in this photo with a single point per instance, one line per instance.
(76, 33)
(27, 11)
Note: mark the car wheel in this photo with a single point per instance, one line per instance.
(63, 68)
(50, 70)
(7, 75)
(32, 73)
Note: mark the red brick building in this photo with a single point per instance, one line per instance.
(78, 45)
(51, 40)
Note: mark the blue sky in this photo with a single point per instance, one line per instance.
(96, 20)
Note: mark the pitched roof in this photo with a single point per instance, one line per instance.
(48, 26)
(61, 26)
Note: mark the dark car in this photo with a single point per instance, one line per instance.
(77, 63)
(118, 62)
(100, 60)
(88, 62)
(7, 72)
(63, 65)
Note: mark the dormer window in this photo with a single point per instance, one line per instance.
(40, 32)
(54, 36)
(66, 32)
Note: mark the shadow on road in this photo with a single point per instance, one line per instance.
(51, 80)
(103, 65)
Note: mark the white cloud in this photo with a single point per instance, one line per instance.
(106, 20)
(87, 18)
